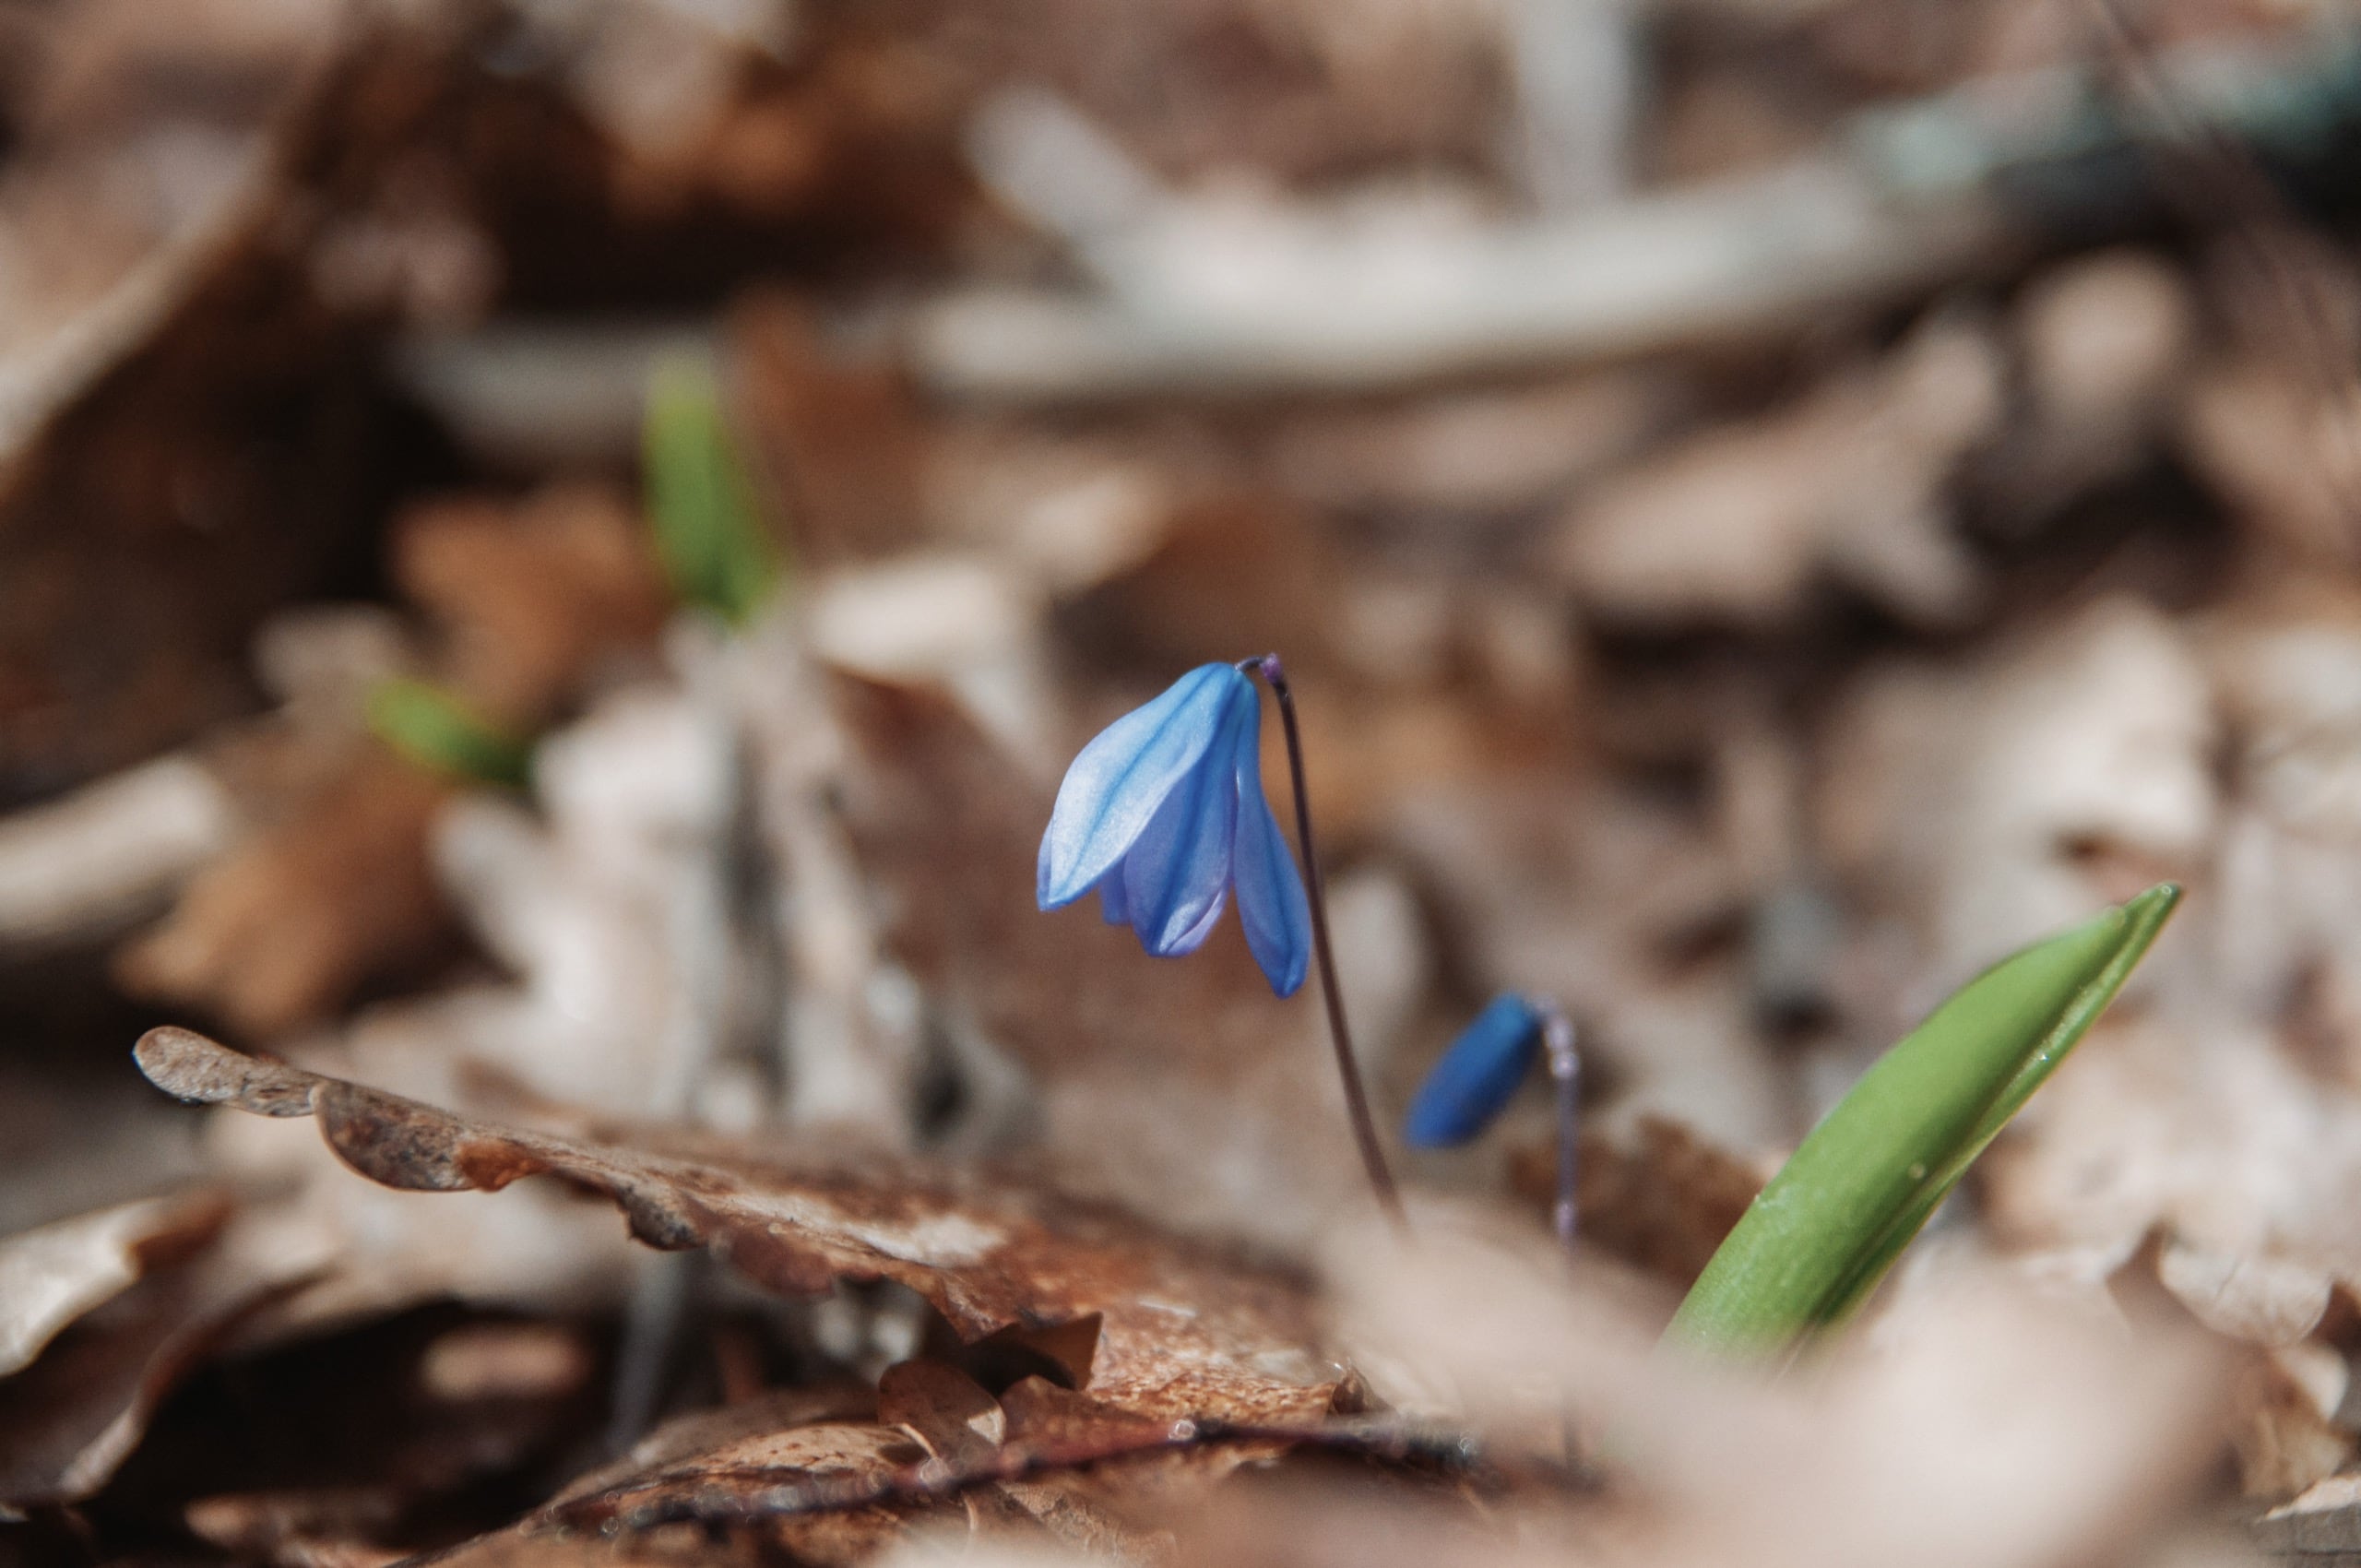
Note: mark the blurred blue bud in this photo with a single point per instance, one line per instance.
(1476, 1075)
(1163, 813)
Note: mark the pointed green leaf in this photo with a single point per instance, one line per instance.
(440, 732)
(1819, 1237)
(710, 532)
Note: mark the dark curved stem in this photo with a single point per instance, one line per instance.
(1349, 1068)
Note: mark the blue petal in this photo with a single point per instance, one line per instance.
(1176, 874)
(1476, 1075)
(1271, 905)
(1111, 906)
(1194, 937)
(1122, 778)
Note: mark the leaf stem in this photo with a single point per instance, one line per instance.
(1380, 1179)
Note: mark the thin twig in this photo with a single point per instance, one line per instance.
(1380, 1179)
(631, 1506)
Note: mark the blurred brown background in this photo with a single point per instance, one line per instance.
(1768, 504)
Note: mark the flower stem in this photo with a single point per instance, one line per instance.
(1565, 1071)
(1381, 1180)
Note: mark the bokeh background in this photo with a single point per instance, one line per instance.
(1768, 505)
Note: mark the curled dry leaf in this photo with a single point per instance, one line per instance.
(76, 1413)
(2221, 1142)
(53, 1274)
(1179, 1333)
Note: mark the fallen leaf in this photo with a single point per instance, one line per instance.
(53, 1274)
(72, 1417)
(1658, 1197)
(531, 596)
(1735, 525)
(324, 1527)
(2287, 1436)
(283, 928)
(1181, 1333)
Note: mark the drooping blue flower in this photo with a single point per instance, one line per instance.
(1475, 1076)
(1163, 813)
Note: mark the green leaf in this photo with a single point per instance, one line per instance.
(441, 733)
(1817, 1239)
(700, 501)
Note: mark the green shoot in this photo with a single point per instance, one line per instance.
(700, 501)
(441, 733)
(1819, 1237)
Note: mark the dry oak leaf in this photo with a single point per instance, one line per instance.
(1182, 1333)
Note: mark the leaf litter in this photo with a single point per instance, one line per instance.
(1741, 671)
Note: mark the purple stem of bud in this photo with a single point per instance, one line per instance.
(1565, 1071)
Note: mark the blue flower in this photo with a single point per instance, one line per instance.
(1476, 1075)
(1163, 812)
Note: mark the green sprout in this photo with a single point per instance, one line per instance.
(439, 731)
(700, 501)
(1817, 1239)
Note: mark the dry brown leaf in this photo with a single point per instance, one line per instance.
(1973, 1423)
(1181, 1333)
(2283, 454)
(531, 596)
(1736, 524)
(2325, 1521)
(68, 1419)
(324, 1527)
(841, 443)
(1659, 1196)
(53, 1274)
(2216, 1138)
(2286, 1435)
(2104, 342)
(282, 930)
(1992, 802)
(1237, 570)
